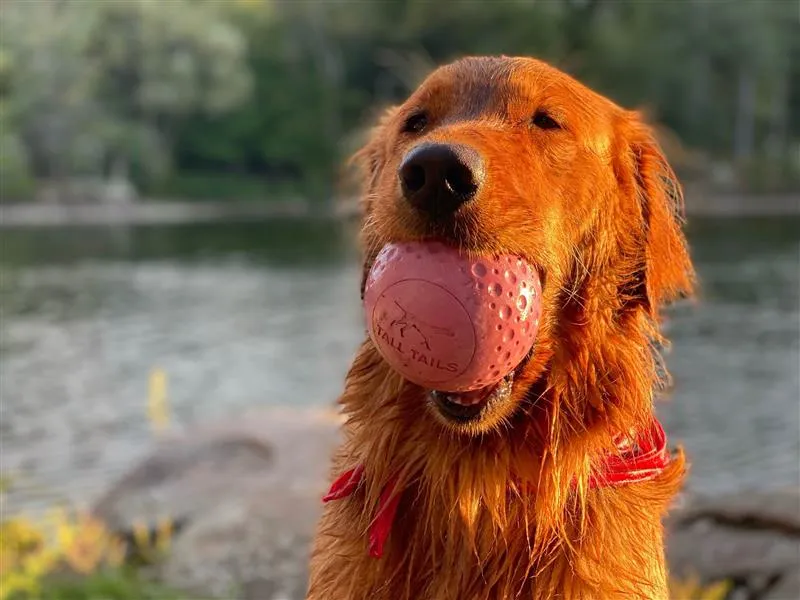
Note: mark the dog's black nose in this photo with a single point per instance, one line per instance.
(438, 178)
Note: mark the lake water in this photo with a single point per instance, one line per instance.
(246, 315)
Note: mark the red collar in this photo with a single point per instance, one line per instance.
(641, 459)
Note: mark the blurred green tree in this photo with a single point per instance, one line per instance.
(92, 87)
(264, 98)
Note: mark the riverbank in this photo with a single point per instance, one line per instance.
(170, 212)
(245, 493)
(155, 212)
(228, 510)
(703, 203)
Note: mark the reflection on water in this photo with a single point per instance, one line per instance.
(257, 314)
(736, 355)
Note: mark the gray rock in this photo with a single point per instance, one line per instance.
(751, 539)
(776, 509)
(251, 548)
(183, 477)
(192, 472)
(246, 494)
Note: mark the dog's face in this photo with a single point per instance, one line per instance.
(509, 155)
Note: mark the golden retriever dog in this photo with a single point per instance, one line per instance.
(556, 486)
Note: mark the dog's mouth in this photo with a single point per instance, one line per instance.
(438, 314)
(465, 407)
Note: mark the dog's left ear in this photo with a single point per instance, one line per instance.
(370, 158)
(665, 268)
(369, 161)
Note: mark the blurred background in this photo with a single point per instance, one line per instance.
(177, 245)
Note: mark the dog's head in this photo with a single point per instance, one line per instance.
(510, 155)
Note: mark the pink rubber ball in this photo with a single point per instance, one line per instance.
(447, 322)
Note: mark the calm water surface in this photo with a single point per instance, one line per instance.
(268, 313)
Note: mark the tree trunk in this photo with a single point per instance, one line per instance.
(699, 93)
(330, 66)
(777, 143)
(744, 133)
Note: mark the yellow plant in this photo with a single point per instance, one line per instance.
(20, 535)
(149, 546)
(79, 542)
(30, 550)
(164, 533)
(158, 412)
(87, 545)
(24, 557)
(691, 589)
(252, 3)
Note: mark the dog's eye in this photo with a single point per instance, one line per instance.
(544, 121)
(416, 123)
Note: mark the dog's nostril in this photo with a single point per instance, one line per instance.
(438, 178)
(460, 181)
(413, 177)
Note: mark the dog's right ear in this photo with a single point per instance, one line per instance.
(665, 272)
(370, 158)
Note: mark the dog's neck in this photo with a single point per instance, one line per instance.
(395, 443)
(641, 458)
(520, 499)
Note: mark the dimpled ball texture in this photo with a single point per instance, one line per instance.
(448, 322)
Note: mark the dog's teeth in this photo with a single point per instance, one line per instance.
(466, 399)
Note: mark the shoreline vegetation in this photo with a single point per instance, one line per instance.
(262, 101)
(152, 211)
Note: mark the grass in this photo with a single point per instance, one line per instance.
(116, 584)
(690, 588)
(74, 556)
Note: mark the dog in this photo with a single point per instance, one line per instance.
(556, 485)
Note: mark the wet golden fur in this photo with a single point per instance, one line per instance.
(491, 513)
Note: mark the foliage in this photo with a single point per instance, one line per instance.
(72, 555)
(691, 589)
(273, 90)
(120, 584)
(16, 180)
(75, 556)
(90, 87)
(212, 185)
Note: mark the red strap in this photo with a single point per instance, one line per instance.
(640, 460)
(382, 525)
(345, 484)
